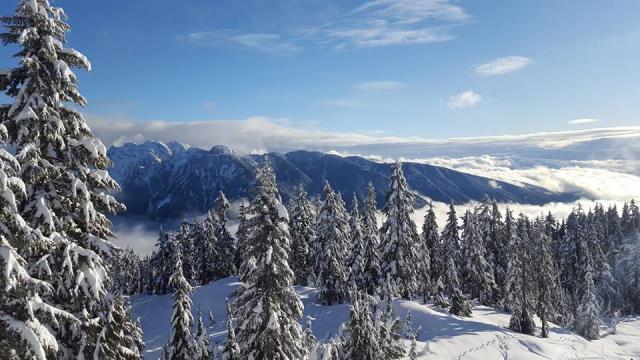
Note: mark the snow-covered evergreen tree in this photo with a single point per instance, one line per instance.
(126, 269)
(266, 306)
(371, 244)
(181, 346)
(241, 235)
(399, 238)
(544, 272)
(459, 305)
(332, 231)
(225, 244)
(231, 348)
(301, 223)
(162, 262)
(389, 328)
(184, 241)
(207, 257)
(358, 251)
(520, 284)
(119, 338)
(431, 242)
(478, 274)
(63, 169)
(360, 339)
(587, 322)
(451, 246)
(202, 345)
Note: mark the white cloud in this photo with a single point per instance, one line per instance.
(503, 65)
(376, 86)
(464, 100)
(618, 143)
(261, 42)
(582, 121)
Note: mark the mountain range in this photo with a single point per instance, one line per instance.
(168, 181)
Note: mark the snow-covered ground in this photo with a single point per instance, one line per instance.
(441, 336)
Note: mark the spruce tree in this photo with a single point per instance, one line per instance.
(399, 239)
(202, 344)
(389, 327)
(266, 306)
(360, 339)
(301, 223)
(119, 338)
(332, 231)
(185, 241)
(207, 257)
(241, 236)
(231, 348)
(477, 272)
(162, 262)
(358, 251)
(225, 244)
(459, 305)
(431, 241)
(544, 271)
(411, 335)
(520, 292)
(451, 243)
(64, 172)
(181, 340)
(587, 321)
(371, 244)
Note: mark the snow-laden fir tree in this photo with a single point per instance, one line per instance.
(360, 338)
(241, 235)
(628, 274)
(211, 318)
(207, 257)
(478, 274)
(310, 341)
(587, 322)
(459, 304)
(266, 307)
(410, 334)
(431, 242)
(181, 340)
(332, 233)
(231, 348)
(450, 246)
(226, 244)
(162, 262)
(202, 350)
(389, 328)
(399, 240)
(520, 292)
(544, 275)
(184, 241)
(358, 251)
(126, 269)
(301, 223)
(23, 333)
(371, 244)
(115, 340)
(63, 168)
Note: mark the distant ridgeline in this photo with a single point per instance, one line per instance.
(166, 181)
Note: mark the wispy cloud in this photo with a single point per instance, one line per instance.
(503, 65)
(464, 100)
(261, 42)
(374, 23)
(582, 121)
(393, 22)
(377, 86)
(209, 105)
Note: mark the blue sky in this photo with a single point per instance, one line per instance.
(427, 68)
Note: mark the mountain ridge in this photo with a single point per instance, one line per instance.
(170, 180)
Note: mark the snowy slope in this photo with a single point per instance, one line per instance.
(442, 336)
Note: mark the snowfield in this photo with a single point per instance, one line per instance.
(441, 335)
